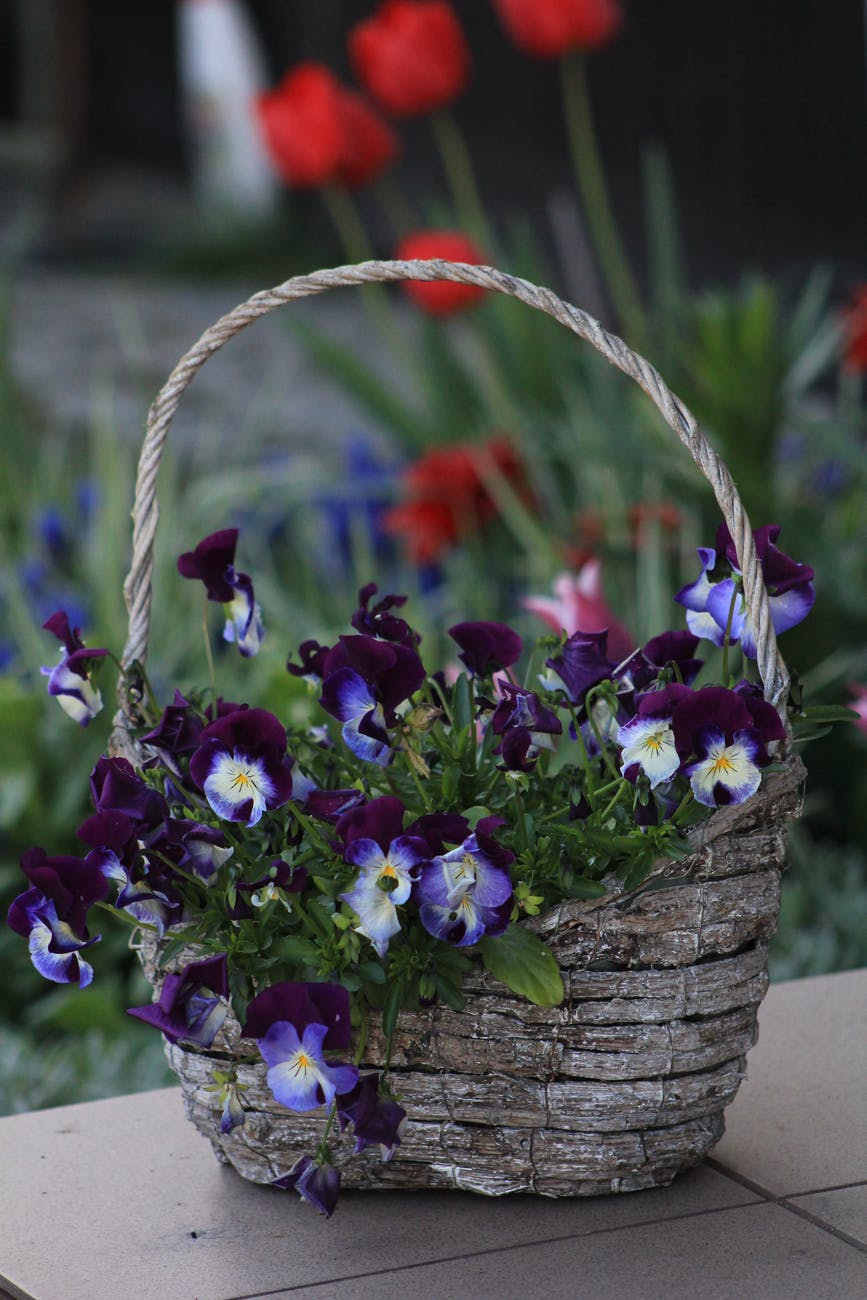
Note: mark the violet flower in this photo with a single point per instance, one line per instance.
(294, 1025)
(487, 647)
(242, 766)
(364, 681)
(715, 603)
(70, 681)
(52, 913)
(379, 621)
(193, 1005)
(725, 773)
(213, 563)
(318, 1184)
(384, 883)
(468, 892)
(526, 727)
(582, 663)
(375, 1120)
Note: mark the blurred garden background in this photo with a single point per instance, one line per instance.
(692, 175)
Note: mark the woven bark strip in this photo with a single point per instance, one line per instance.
(620, 1088)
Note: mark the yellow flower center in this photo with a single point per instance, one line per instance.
(722, 764)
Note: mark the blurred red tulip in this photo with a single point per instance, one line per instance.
(411, 56)
(550, 28)
(855, 331)
(447, 496)
(440, 297)
(319, 133)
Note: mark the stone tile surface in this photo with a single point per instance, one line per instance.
(844, 1208)
(760, 1252)
(202, 1232)
(799, 1121)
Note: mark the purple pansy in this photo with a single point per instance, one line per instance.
(670, 650)
(468, 892)
(364, 681)
(70, 681)
(177, 732)
(319, 1184)
(213, 563)
(375, 1120)
(52, 913)
(384, 883)
(233, 1115)
(379, 620)
(714, 602)
(725, 772)
(242, 766)
(487, 647)
(331, 805)
(582, 663)
(302, 1005)
(193, 1005)
(299, 1076)
(313, 656)
(379, 819)
(526, 727)
(136, 894)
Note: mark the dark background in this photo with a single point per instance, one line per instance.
(760, 105)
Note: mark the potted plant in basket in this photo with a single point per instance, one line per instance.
(298, 890)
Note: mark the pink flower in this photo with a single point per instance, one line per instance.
(859, 704)
(578, 605)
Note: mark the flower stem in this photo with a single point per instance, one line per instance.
(728, 634)
(209, 655)
(590, 177)
(460, 174)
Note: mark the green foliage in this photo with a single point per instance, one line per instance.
(520, 960)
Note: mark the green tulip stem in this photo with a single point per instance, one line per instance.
(590, 178)
(460, 174)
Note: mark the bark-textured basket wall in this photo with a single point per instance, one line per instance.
(618, 1089)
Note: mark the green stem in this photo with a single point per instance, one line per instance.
(209, 655)
(728, 634)
(322, 1153)
(461, 177)
(590, 177)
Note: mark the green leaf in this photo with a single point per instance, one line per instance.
(583, 887)
(826, 713)
(520, 960)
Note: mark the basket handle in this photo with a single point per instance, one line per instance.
(138, 584)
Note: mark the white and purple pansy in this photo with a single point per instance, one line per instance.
(52, 913)
(468, 892)
(136, 896)
(364, 681)
(647, 745)
(213, 563)
(69, 681)
(299, 1076)
(724, 772)
(715, 604)
(294, 1025)
(241, 765)
(192, 1005)
(384, 883)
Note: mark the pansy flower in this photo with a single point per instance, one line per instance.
(525, 725)
(384, 883)
(242, 766)
(70, 681)
(648, 745)
(486, 647)
(725, 772)
(364, 681)
(313, 656)
(318, 1184)
(578, 604)
(52, 913)
(375, 1119)
(715, 604)
(294, 1025)
(177, 732)
(193, 1005)
(468, 892)
(379, 621)
(582, 663)
(213, 563)
(280, 879)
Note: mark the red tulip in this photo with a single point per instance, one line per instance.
(855, 331)
(440, 297)
(550, 28)
(319, 133)
(447, 496)
(411, 56)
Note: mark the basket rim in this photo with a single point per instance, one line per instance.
(138, 584)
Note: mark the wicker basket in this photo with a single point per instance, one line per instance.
(625, 1083)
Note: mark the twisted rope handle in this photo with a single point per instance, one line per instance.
(138, 585)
